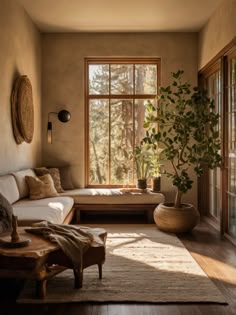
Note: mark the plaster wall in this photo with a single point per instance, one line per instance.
(20, 53)
(219, 31)
(63, 85)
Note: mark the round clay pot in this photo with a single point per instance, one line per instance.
(176, 220)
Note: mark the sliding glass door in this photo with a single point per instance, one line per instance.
(214, 90)
(219, 201)
(231, 142)
(210, 186)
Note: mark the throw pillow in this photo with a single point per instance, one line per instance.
(66, 179)
(54, 172)
(6, 212)
(40, 171)
(41, 187)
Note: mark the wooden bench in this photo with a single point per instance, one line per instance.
(115, 200)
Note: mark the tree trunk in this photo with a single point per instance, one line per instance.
(99, 176)
(178, 198)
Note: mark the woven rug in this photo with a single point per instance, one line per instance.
(142, 265)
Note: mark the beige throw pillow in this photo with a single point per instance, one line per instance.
(66, 178)
(54, 172)
(41, 187)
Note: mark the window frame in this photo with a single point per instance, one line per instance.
(116, 60)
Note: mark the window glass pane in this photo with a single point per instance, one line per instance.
(233, 98)
(232, 213)
(145, 79)
(121, 79)
(98, 141)
(213, 87)
(233, 71)
(98, 79)
(121, 141)
(140, 106)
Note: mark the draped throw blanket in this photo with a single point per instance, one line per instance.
(73, 240)
(5, 215)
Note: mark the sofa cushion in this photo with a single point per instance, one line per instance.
(54, 172)
(21, 182)
(6, 212)
(41, 187)
(53, 209)
(8, 188)
(112, 196)
(66, 178)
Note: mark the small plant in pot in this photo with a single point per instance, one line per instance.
(155, 166)
(187, 132)
(142, 164)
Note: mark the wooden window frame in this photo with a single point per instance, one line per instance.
(110, 61)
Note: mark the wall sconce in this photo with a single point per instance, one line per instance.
(64, 116)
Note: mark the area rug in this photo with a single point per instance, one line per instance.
(143, 265)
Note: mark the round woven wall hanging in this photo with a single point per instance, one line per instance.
(22, 110)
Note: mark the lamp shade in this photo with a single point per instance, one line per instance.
(64, 115)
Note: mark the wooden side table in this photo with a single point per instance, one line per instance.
(41, 260)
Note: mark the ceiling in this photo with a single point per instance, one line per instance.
(120, 15)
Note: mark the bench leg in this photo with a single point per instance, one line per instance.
(41, 288)
(78, 275)
(150, 216)
(100, 270)
(77, 215)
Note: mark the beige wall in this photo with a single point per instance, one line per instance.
(20, 53)
(218, 32)
(63, 83)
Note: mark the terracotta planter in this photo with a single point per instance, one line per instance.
(142, 183)
(176, 220)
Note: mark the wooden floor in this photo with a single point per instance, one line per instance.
(217, 258)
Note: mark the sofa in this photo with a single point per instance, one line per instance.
(14, 188)
(71, 202)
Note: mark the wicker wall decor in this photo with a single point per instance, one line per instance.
(22, 110)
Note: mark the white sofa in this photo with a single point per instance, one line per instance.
(61, 209)
(55, 209)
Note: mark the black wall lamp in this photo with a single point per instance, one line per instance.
(64, 116)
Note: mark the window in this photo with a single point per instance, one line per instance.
(117, 91)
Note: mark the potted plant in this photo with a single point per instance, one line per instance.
(187, 132)
(142, 164)
(155, 166)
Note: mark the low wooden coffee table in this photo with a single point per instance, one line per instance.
(41, 260)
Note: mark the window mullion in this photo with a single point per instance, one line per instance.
(109, 141)
(133, 109)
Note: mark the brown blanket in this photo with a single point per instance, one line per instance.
(5, 215)
(73, 240)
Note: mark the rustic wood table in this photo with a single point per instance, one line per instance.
(41, 260)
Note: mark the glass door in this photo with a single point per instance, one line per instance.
(214, 91)
(231, 143)
(210, 186)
